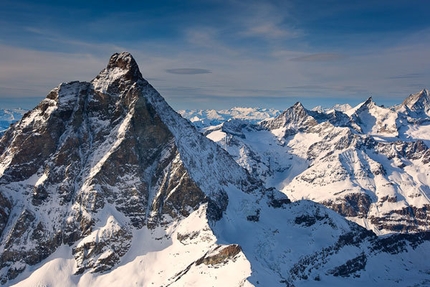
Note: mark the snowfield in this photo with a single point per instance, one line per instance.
(103, 184)
(376, 155)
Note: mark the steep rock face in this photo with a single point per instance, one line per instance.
(294, 119)
(369, 118)
(125, 192)
(418, 103)
(88, 148)
(5, 209)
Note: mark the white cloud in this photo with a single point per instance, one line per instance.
(268, 67)
(269, 30)
(267, 20)
(188, 71)
(320, 57)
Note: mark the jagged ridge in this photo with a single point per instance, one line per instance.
(106, 185)
(110, 143)
(368, 163)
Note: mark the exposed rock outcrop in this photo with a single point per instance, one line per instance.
(88, 147)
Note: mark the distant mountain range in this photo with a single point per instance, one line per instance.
(368, 163)
(206, 118)
(9, 116)
(104, 184)
(210, 118)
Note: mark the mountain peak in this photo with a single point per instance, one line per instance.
(418, 102)
(123, 60)
(365, 106)
(298, 105)
(117, 139)
(368, 101)
(294, 118)
(122, 68)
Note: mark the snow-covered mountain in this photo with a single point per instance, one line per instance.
(103, 184)
(337, 107)
(10, 116)
(207, 118)
(418, 104)
(369, 163)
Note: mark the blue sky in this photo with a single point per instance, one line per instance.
(222, 53)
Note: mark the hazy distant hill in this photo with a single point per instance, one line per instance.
(9, 116)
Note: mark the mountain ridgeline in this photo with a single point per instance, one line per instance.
(104, 184)
(102, 145)
(368, 163)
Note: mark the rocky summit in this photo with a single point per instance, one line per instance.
(104, 184)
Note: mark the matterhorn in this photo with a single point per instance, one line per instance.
(104, 184)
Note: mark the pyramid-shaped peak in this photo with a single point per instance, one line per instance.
(121, 69)
(298, 105)
(416, 101)
(423, 94)
(420, 94)
(362, 107)
(123, 60)
(297, 109)
(368, 101)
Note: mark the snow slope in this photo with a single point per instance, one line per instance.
(370, 163)
(104, 184)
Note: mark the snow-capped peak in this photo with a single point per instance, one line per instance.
(122, 68)
(124, 61)
(419, 102)
(106, 185)
(337, 107)
(366, 105)
(369, 103)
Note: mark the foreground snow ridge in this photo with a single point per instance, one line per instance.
(103, 184)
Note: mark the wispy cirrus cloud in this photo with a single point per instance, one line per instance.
(266, 20)
(407, 76)
(269, 31)
(188, 71)
(320, 57)
(273, 49)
